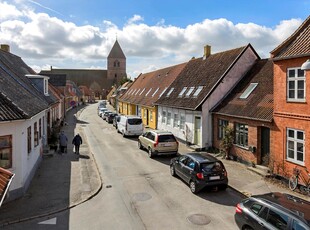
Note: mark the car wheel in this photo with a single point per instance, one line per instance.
(150, 153)
(193, 187)
(172, 170)
(139, 145)
(223, 187)
(123, 133)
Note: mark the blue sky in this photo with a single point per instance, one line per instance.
(153, 34)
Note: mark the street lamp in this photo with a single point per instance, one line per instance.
(306, 65)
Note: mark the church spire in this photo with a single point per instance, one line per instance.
(116, 51)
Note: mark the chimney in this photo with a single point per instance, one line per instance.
(206, 51)
(5, 47)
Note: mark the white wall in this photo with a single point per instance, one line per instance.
(23, 164)
(189, 121)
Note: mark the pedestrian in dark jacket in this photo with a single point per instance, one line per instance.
(77, 141)
(63, 140)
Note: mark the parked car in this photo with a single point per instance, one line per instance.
(130, 126)
(105, 115)
(199, 170)
(273, 211)
(110, 117)
(116, 119)
(101, 111)
(158, 142)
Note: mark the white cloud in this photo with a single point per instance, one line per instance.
(42, 40)
(8, 11)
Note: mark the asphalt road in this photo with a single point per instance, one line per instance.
(138, 192)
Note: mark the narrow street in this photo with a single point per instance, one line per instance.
(139, 192)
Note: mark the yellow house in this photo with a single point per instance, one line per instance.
(147, 88)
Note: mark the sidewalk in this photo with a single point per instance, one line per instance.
(61, 181)
(64, 181)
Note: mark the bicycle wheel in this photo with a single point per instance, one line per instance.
(292, 183)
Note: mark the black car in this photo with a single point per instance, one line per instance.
(105, 115)
(199, 170)
(110, 117)
(273, 211)
(115, 120)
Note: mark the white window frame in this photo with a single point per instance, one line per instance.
(170, 91)
(148, 92)
(295, 141)
(182, 121)
(295, 79)
(168, 118)
(163, 92)
(155, 92)
(198, 90)
(176, 120)
(163, 117)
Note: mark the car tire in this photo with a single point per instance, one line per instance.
(150, 152)
(223, 187)
(172, 170)
(140, 145)
(193, 187)
(123, 133)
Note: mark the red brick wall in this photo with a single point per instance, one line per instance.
(289, 115)
(254, 138)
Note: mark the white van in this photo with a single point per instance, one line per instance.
(130, 126)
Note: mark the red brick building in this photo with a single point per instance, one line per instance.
(291, 146)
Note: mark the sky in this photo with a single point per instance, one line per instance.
(153, 34)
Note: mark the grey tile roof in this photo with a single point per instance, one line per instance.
(200, 72)
(297, 45)
(17, 90)
(9, 111)
(259, 104)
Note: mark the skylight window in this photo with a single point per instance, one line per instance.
(170, 91)
(137, 92)
(191, 89)
(163, 92)
(155, 92)
(133, 91)
(248, 91)
(142, 91)
(182, 92)
(148, 92)
(198, 90)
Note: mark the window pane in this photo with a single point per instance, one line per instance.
(301, 73)
(291, 133)
(291, 85)
(300, 94)
(290, 154)
(256, 208)
(291, 94)
(300, 135)
(300, 84)
(291, 73)
(291, 145)
(277, 219)
(300, 156)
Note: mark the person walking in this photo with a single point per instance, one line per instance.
(63, 141)
(77, 141)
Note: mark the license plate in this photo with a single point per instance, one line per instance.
(214, 177)
(167, 145)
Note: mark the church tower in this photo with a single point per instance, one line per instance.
(116, 65)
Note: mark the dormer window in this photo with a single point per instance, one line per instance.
(40, 82)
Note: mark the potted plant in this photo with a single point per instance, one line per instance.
(227, 141)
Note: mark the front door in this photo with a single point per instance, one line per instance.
(265, 145)
(197, 136)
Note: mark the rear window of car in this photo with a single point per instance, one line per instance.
(212, 166)
(166, 138)
(134, 121)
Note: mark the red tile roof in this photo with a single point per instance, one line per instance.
(147, 87)
(259, 104)
(297, 45)
(5, 180)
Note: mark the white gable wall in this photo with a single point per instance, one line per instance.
(236, 73)
(23, 164)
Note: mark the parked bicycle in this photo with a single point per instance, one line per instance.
(297, 177)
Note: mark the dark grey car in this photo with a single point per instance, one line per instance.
(199, 170)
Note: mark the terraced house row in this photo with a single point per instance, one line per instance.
(264, 101)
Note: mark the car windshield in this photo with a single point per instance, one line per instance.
(166, 138)
(134, 121)
(212, 167)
